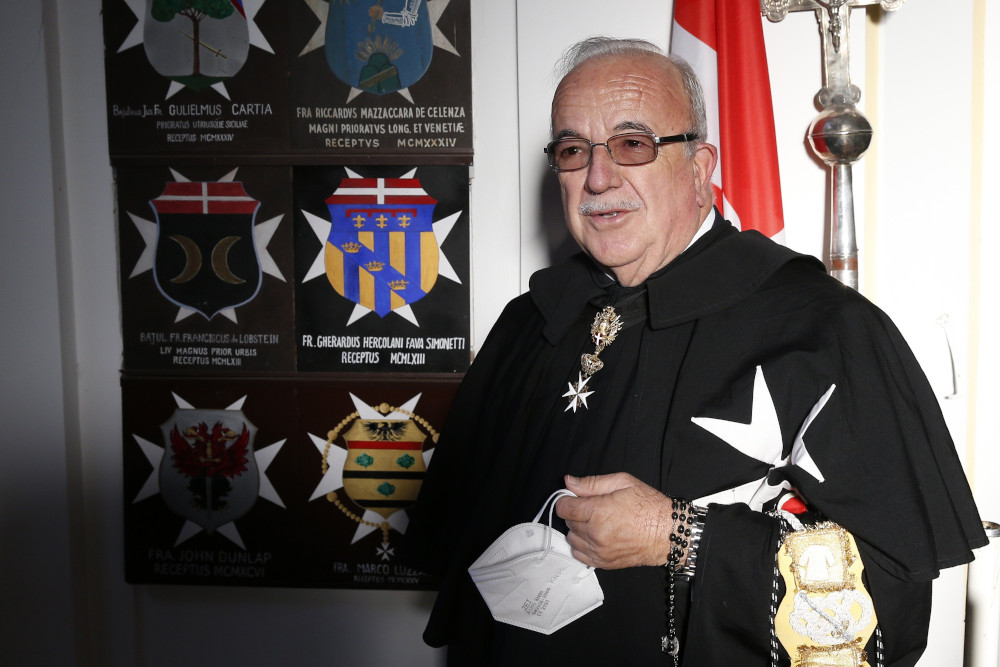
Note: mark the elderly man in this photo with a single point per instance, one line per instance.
(753, 449)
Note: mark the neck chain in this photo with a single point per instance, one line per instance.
(603, 331)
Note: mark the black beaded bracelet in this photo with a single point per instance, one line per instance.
(685, 536)
(687, 523)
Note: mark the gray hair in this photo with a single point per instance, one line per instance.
(601, 46)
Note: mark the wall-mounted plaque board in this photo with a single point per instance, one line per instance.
(206, 268)
(302, 482)
(289, 80)
(196, 78)
(386, 78)
(292, 184)
(382, 270)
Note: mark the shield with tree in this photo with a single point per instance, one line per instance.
(196, 42)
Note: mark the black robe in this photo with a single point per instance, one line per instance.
(695, 334)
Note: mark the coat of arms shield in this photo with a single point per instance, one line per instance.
(379, 47)
(385, 466)
(206, 256)
(196, 42)
(381, 252)
(209, 474)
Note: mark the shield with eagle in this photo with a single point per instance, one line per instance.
(206, 256)
(208, 474)
(196, 42)
(385, 464)
(379, 46)
(381, 252)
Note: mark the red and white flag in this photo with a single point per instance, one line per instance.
(724, 42)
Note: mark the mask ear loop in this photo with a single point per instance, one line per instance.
(548, 533)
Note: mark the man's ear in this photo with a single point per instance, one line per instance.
(705, 157)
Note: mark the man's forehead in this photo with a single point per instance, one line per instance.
(619, 94)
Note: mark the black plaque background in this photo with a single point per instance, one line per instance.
(288, 397)
(322, 311)
(145, 309)
(270, 90)
(133, 83)
(306, 543)
(447, 83)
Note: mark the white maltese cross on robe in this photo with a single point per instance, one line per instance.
(761, 439)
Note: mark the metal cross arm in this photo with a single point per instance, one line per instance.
(834, 20)
(841, 134)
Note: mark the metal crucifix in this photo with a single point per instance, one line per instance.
(841, 134)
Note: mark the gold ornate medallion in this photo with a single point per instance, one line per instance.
(603, 332)
(827, 615)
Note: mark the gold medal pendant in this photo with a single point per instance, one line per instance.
(603, 331)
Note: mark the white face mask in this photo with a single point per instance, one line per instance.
(529, 577)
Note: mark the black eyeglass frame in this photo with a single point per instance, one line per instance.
(657, 142)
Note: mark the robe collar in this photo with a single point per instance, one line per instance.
(719, 269)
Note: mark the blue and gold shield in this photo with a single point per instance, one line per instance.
(381, 252)
(379, 46)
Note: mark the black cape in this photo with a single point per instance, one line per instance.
(695, 334)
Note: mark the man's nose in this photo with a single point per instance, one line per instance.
(603, 173)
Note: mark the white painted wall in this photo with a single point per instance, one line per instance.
(927, 250)
(35, 564)
(921, 240)
(984, 390)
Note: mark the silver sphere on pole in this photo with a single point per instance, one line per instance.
(840, 134)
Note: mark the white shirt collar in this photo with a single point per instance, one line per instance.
(706, 225)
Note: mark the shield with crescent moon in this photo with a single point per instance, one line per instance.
(206, 257)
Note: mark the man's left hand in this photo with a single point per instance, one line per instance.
(616, 521)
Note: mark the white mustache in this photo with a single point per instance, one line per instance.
(602, 207)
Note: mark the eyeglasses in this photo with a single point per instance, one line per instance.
(630, 149)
